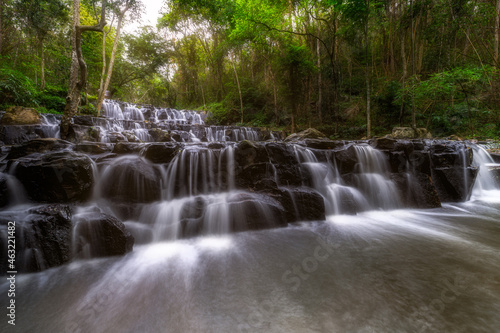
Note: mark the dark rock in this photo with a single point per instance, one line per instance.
(131, 179)
(346, 159)
(495, 156)
(454, 184)
(37, 146)
(302, 204)
(4, 193)
(101, 235)
(13, 135)
(323, 144)
(43, 238)
(84, 120)
(248, 152)
(416, 191)
(161, 153)
(287, 168)
(56, 177)
(123, 148)
(495, 174)
(18, 115)
(115, 137)
(92, 148)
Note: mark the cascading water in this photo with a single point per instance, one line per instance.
(370, 265)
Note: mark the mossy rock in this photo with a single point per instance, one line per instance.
(19, 115)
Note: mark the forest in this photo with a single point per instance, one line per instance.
(350, 68)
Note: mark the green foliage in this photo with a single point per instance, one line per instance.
(53, 99)
(89, 109)
(15, 88)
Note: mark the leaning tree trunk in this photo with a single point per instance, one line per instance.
(109, 73)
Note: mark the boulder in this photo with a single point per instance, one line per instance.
(14, 135)
(92, 148)
(161, 153)
(159, 135)
(43, 238)
(131, 179)
(18, 115)
(309, 133)
(346, 159)
(495, 174)
(124, 148)
(100, 235)
(84, 120)
(302, 204)
(56, 177)
(416, 190)
(37, 146)
(454, 184)
(410, 133)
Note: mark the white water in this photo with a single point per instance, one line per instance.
(396, 271)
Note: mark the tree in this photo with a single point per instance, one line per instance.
(120, 12)
(41, 17)
(78, 70)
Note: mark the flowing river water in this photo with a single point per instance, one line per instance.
(383, 269)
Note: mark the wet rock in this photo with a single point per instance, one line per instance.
(101, 235)
(13, 135)
(248, 152)
(161, 153)
(454, 184)
(123, 148)
(4, 194)
(115, 137)
(18, 115)
(92, 148)
(302, 204)
(450, 154)
(43, 238)
(84, 120)
(131, 136)
(495, 156)
(495, 174)
(309, 133)
(323, 144)
(287, 169)
(251, 176)
(56, 176)
(416, 190)
(131, 179)
(346, 159)
(37, 146)
(159, 135)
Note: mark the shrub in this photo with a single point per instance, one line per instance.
(15, 88)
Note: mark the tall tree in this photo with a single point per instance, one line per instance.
(121, 8)
(41, 17)
(78, 69)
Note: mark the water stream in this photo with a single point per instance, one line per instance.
(371, 265)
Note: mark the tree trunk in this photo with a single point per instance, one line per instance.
(102, 93)
(78, 67)
(497, 34)
(42, 67)
(320, 96)
(239, 89)
(1, 26)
